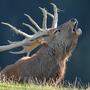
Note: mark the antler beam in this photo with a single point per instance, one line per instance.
(12, 45)
(16, 30)
(44, 31)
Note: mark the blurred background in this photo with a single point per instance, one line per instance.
(12, 11)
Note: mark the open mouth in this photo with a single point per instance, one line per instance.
(75, 24)
(76, 29)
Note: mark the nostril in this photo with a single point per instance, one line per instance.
(74, 20)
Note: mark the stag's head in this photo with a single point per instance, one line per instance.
(64, 35)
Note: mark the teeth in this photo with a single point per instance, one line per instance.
(75, 27)
(76, 22)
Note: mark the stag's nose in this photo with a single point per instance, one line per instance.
(77, 30)
(74, 20)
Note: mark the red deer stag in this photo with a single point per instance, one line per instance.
(49, 62)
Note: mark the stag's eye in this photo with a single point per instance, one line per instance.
(57, 31)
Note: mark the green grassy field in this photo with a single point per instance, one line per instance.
(12, 86)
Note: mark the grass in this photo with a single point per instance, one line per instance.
(16, 86)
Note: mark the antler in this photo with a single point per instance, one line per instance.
(32, 41)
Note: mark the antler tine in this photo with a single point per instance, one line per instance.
(51, 15)
(44, 31)
(33, 22)
(10, 42)
(28, 53)
(44, 24)
(30, 27)
(18, 52)
(16, 30)
(12, 45)
(55, 19)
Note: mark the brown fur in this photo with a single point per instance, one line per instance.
(48, 62)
